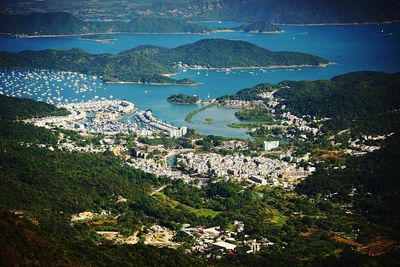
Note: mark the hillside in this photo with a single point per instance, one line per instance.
(121, 68)
(62, 23)
(365, 101)
(42, 23)
(17, 109)
(284, 11)
(221, 53)
(42, 188)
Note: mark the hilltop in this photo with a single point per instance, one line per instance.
(221, 53)
(284, 11)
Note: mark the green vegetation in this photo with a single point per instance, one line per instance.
(42, 23)
(256, 115)
(183, 99)
(62, 23)
(113, 68)
(202, 212)
(220, 53)
(310, 226)
(19, 109)
(98, 37)
(363, 101)
(189, 117)
(285, 11)
(167, 142)
(244, 125)
(375, 178)
(25, 242)
(149, 64)
(250, 94)
(208, 120)
(261, 26)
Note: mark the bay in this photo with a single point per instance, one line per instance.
(352, 47)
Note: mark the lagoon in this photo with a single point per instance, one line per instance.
(352, 47)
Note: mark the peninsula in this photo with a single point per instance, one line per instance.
(154, 65)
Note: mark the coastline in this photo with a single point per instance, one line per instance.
(258, 32)
(22, 36)
(157, 84)
(189, 117)
(94, 33)
(99, 40)
(205, 32)
(338, 23)
(261, 67)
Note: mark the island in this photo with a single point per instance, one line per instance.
(101, 38)
(184, 99)
(226, 54)
(154, 65)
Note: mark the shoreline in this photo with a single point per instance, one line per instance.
(338, 23)
(189, 117)
(262, 67)
(99, 40)
(22, 36)
(205, 32)
(257, 32)
(27, 36)
(157, 84)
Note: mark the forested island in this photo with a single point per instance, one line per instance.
(222, 54)
(153, 65)
(184, 99)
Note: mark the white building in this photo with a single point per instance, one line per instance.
(269, 145)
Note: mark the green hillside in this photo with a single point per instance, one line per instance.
(366, 100)
(284, 11)
(62, 23)
(120, 68)
(221, 53)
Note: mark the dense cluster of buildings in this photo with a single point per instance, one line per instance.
(260, 170)
(155, 167)
(242, 103)
(109, 117)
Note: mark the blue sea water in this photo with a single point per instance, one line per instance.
(352, 48)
